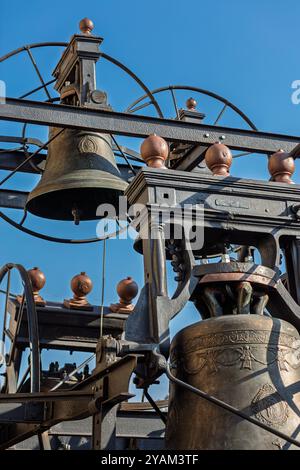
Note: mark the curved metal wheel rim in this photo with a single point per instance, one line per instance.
(198, 90)
(33, 333)
(102, 54)
(109, 59)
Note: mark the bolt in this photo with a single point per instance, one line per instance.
(206, 134)
(222, 137)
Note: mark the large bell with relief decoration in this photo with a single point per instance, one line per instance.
(250, 362)
(80, 174)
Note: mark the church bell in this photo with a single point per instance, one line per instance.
(247, 361)
(80, 174)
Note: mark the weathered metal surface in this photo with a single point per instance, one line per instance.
(80, 170)
(235, 211)
(141, 126)
(61, 329)
(85, 399)
(249, 362)
(12, 199)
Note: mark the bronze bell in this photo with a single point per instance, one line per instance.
(248, 361)
(80, 174)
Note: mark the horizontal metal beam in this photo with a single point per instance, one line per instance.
(12, 199)
(141, 126)
(10, 159)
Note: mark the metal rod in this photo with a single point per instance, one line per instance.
(84, 363)
(241, 154)
(138, 108)
(30, 157)
(227, 407)
(174, 102)
(102, 288)
(37, 89)
(56, 239)
(5, 313)
(33, 334)
(220, 114)
(155, 407)
(38, 72)
(24, 377)
(197, 90)
(123, 155)
(141, 126)
(24, 217)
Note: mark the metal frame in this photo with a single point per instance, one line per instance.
(237, 211)
(141, 126)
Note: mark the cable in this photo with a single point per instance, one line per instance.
(56, 239)
(227, 407)
(154, 405)
(84, 363)
(123, 155)
(30, 157)
(102, 288)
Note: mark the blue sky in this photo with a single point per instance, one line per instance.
(245, 51)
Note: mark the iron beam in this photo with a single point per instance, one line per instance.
(12, 199)
(10, 159)
(141, 126)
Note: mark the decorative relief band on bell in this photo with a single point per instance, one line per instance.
(238, 337)
(244, 357)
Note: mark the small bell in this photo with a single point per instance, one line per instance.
(80, 174)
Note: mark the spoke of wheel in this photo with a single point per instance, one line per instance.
(38, 72)
(123, 154)
(65, 379)
(103, 287)
(24, 217)
(174, 102)
(30, 157)
(145, 105)
(5, 312)
(155, 407)
(37, 89)
(242, 154)
(220, 114)
(19, 320)
(25, 375)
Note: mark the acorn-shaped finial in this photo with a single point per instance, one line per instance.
(81, 285)
(37, 280)
(191, 104)
(218, 158)
(281, 167)
(155, 151)
(86, 26)
(127, 289)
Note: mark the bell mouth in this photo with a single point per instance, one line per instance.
(59, 205)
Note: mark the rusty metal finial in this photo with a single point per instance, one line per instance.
(81, 285)
(37, 280)
(218, 158)
(191, 104)
(281, 167)
(127, 289)
(155, 151)
(86, 26)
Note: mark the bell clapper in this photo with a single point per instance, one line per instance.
(76, 214)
